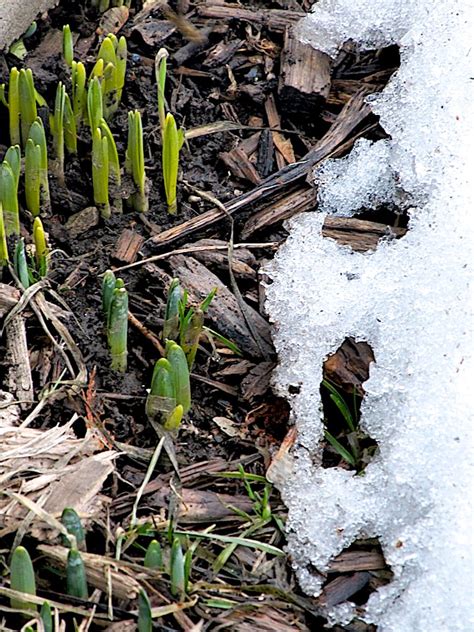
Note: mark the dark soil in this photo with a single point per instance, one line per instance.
(261, 593)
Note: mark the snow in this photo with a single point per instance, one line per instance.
(410, 299)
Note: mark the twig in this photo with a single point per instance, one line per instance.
(147, 333)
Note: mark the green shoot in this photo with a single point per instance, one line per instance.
(160, 76)
(153, 556)
(22, 578)
(41, 248)
(57, 129)
(145, 623)
(114, 165)
(117, 327)
(79, 94)
(68, 46)
(76, 580)
(113, 54)
(33, 177)
(14, 106)
(162, 397)
(38, 136)
(95, 111)
(46, 617)
(69, 123)
(180, 374)
(20, 264)
(173, 140)
(185, 324)
(100, 172)
(27, 96)
(3, 240)
(9, 196)
(177, 571)
(108, 286)
(135, 161)
(73, 524)
(13, 157)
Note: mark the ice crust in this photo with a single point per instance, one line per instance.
(411, 300)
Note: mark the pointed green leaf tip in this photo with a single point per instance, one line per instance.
(22, 578)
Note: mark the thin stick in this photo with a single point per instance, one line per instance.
(192, 249)
(146, 480)
(147, 333)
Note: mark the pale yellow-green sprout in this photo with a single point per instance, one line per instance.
(69, 123)
(117, 327)
(13, 105)
(41, 248)
(135, 161)
(111, 67)
(79, 93)
(173, 140)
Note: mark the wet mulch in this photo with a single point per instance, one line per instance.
(260, 110)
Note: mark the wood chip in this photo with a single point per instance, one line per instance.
(285, 154)
(305, 77)
(342, 588)
(348, 367)
(348, 561)
(275, 19)
(359, 234)
(128, 246)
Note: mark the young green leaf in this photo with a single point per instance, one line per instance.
(20, 264)
(108, 287)
(174, 419)
(94, 104)
(135, 161)
(79, 94)
(3, 240)
(27, 95)
(162, 397)
(13, 157)
(58, 130)
(153, 556)
(180, 372)
(22, 578)
(145, 623)
(33, 177)
(171, 324)
(38, 136)
(100, 172)
(160, 76)
(9, 199)
(114, 166)
(117, 329)
(170, 161)
(340, 449)
(68, 46)
(14, 106)
(73, 524)
(76, 580)
(41, 248)
(46, 617)
(177, 571)
(69, 122)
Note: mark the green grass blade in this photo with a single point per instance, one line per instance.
(251, 544)
(340, 449)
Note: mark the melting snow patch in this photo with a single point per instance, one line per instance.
(410, 300)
